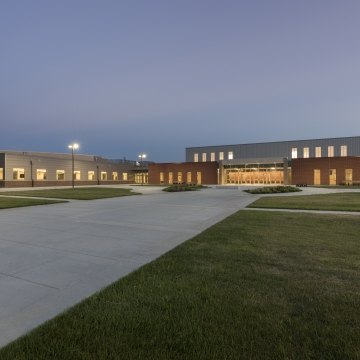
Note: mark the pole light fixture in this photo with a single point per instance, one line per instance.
(142, 156)
(73, 147)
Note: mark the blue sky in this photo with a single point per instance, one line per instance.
(124, 77)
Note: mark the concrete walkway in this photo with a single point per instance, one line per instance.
(53, 256)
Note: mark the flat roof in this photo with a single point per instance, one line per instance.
(275, 142)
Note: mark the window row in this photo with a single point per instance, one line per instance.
(318, 152)
(332, 177)
(180, 179)
(230, 156)
(41, 174)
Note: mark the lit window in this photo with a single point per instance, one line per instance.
(212, 156)
(203, 157)
(318, 151)
(343, 150)
(60, 174)
(230, 155)
(330, 151)
(179, 177)
(1, 174)
(161, 177)
(18, 174)
(198, 177)
(221, 155)
(348, 176)
(91, 175)
(306, 153)
(41, 174)
(115, 175)
(294, 153)
(188, 177)
(125, 176)
(76, 175)
(103, 175)
(170, 177)
(196, 157)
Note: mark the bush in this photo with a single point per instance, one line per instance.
(184, 187)
(273, 190)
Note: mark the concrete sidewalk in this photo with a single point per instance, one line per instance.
(53, 256)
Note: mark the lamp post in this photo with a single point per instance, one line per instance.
(142, 156)
(73, 147)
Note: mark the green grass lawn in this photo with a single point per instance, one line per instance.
(9, 202)
(258, 285)
(77, 193)
(337, 202)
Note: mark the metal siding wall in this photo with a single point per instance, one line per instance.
(278, 149)
(53, 164)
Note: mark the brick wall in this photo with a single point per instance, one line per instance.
(302, 170)
(209, 171)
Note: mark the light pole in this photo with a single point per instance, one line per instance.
(142, 156)
(73, 147)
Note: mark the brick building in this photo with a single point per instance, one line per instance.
(187, 172)
(326, 171)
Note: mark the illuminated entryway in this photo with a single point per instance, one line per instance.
(141, 178)
(254, 174)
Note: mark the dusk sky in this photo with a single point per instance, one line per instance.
(124, 77)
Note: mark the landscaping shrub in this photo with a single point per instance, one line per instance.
(273, 190)
(184, 187)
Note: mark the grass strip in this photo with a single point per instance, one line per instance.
(332, 202)
(258, 285)
(9, 202)
(91, 193)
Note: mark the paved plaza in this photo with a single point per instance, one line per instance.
(53, 256)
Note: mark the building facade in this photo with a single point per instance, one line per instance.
(271, 162)
(26, 169)
(183, 173)
(326, 171)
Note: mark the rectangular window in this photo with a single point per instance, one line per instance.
(125, 176)
(348, 176)
(317, 180)
(221, 155)
(294, 153)
(212, 156)
(198, 177)
(18, 174)
(161, 177)
(91, 175)
(179, 179)
(115, 176)
(332, 176)
(76, 175)
(1, 174)
(60, 174)
(40, 174)
(330, 151)
(188, 177)
(203, 157)
(306, 153)
(170, 177)
(103, 175)
(318, 151)
(196, 157)
(230, 155)
(343, 150)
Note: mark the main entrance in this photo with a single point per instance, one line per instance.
(254, 174)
